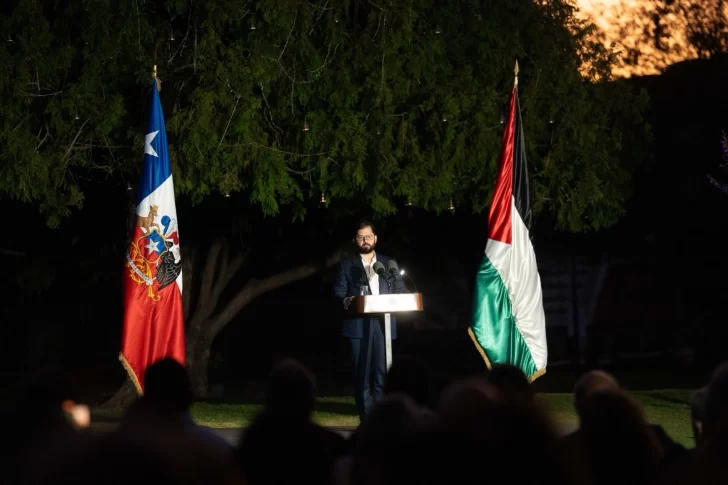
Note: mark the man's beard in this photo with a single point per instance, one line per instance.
(366, 250)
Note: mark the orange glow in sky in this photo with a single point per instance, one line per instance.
(622, 21)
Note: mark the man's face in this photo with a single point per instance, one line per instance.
(365, 240)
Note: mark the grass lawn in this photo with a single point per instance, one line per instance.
(668, 408)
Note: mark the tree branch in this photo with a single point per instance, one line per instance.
(237, 100)
(74, 140)
(290, 32)
(255, 288)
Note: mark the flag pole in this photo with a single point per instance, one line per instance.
(159, 81)
(515, 71)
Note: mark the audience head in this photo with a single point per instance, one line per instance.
(411, 376)
(291, 390)
(512, 383)
(616, 432)
(167, 386)
(589, 383)
(464, 404)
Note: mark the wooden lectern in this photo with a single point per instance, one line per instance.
(387, 304)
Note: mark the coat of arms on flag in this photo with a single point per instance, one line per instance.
(154, 255)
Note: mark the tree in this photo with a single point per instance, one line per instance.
(283, 100)
(652, 35)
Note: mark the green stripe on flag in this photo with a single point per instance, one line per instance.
(494, 326)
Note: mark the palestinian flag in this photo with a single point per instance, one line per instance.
(508, 324)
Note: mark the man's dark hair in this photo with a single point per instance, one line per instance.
(365, 223)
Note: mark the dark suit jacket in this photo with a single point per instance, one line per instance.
(350, 277)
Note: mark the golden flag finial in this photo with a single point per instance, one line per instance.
(159, 81)
(515, 72)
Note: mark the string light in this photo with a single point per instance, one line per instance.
(323, 198)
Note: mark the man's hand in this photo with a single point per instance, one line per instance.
(347, 302)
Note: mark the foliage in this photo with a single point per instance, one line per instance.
(652, 35)
(402, 101)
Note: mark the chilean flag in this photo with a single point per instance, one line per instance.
(153, 318)
(508, 324)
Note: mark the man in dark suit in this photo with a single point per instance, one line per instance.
(356, 276)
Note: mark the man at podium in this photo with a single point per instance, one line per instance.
(358, 276)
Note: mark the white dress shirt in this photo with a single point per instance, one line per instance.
(372, 276)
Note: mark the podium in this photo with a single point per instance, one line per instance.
(387, 304)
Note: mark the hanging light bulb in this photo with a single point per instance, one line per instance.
(76, 117)
(502, 117)
(10, 39)
(452, 206)
(408, 203)
(171, 36)
(128, 187)
(252, 25)
(305, 125)
(438, 30)
(551, 120)
(227, 195)
(444, 118)
(336, 19)
(323, 198)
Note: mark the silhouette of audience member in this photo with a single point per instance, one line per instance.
(411, 376)
(716, 400)
(620, 446)
(284, 429)
(589, 383)
(512, 383)
(697, 413)
(46, 428)
(167, 402)
(384, 440)
(599, 381)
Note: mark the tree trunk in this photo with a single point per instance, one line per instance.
(198, 358)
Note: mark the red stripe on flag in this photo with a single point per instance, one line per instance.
(499, 216)
(153, 318)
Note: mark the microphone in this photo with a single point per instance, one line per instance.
(392, 267)
(378, 268)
